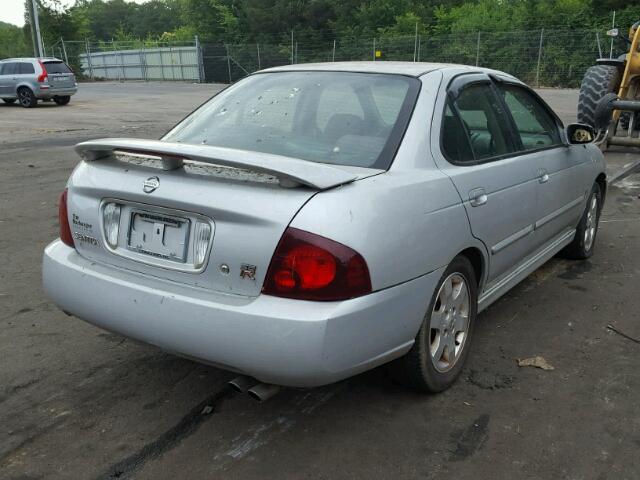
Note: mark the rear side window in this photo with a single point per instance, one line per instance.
(534, 124)
(25, 68)
(455, 138)
(56, 67)
(481, 116)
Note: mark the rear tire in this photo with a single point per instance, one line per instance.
(597, 82)
(27, 98)
(584, 242)
(62, 100)
(9, 100)
(441, 347)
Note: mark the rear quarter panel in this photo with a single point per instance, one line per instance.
(405, 224)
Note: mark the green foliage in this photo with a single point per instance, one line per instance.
(12, 41)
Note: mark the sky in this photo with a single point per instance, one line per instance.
(12, 11)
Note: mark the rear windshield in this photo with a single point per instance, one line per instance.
(327, 117)
(56, 67)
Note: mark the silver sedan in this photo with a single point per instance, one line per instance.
(311, 222)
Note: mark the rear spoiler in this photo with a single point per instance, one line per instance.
(290, 172)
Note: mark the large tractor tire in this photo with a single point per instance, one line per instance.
(597, 82)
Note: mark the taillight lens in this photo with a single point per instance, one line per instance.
(306, 266)
(111, 223)
(43, 77)
(63, 220)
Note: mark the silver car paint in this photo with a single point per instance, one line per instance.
(408, 223)
(9, 84)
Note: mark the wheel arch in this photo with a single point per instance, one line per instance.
(478, 262)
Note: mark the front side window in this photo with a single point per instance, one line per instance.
(534, 124)
(482, 118)
(338, 118)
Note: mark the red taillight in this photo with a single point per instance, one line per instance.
(43, 76)
(63, 219)
(306, 266)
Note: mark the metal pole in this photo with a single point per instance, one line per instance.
(599, 46)
(613, 25)
(86, 46)
(228, 61)
(291, 47)
(36, 26)
(296, 57)
(415, 44)
(419, 45)
(333, 55)
(478, 51)
(258, 48)
(539, 58)
(374, 49)
(64, 51)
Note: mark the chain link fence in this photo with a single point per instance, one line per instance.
(549, 58)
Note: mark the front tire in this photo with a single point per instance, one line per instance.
(442, 345)
(598, 81)
(27, 98)
(62, 100)
(584, 242)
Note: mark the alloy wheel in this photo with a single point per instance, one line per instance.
(592, 223)
(449, 323)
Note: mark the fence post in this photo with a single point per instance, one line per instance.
(296, 57)
(200, 60)
(86, 46)
(333, 54)
(415, 44)
(161, 53)
(64, 51)
(478, 51)
(599, 46)
(419, 45)
(258, 49)
(613, 25)
(226, 47)
(374, 49)
(143, 57)
(291, 47)
(539, 58)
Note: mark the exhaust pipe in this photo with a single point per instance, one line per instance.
(263, 391)
(242, 383)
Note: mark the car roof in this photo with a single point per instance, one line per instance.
(31, 59)
(413, 69)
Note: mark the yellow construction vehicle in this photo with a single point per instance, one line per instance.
(610, 95)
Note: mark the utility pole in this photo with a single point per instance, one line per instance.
(35, 27)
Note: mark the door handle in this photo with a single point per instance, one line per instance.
(543, 176)
(477, 197)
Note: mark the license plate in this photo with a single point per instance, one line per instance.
(159, 235)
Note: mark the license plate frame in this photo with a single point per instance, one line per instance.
(158, 235)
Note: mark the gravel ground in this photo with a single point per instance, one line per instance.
(80, 403)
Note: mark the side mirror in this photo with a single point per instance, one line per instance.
(579, 134)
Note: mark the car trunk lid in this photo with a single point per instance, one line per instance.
(164, 197)
(59, 74)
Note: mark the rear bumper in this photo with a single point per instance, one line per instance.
(280, 341)
(51, 92)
